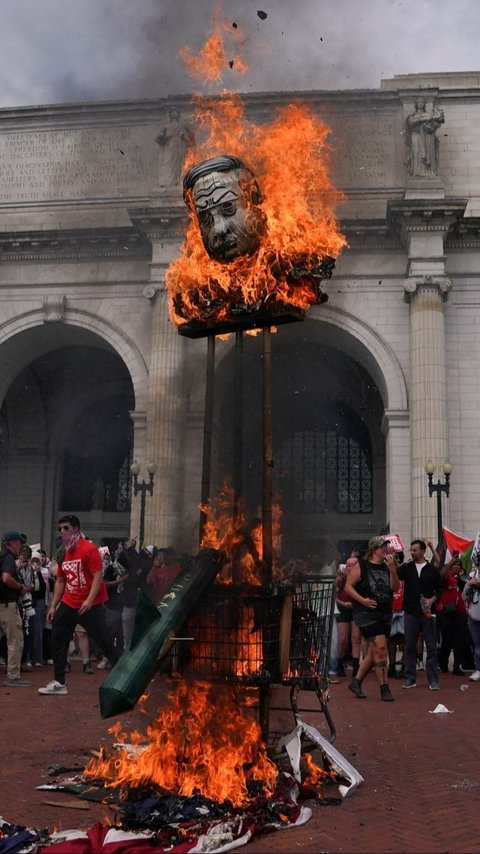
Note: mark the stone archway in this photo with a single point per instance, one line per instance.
(345, 373)
(53, 372)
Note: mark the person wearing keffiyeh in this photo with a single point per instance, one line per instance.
(78, 598)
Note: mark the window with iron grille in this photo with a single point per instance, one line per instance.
(327, 469)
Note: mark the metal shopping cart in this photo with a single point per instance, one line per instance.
(256, 637)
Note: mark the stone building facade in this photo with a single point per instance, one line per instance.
(369, 387)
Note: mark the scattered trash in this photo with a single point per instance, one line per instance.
(440, 709)
(292, 744)
(464, 687)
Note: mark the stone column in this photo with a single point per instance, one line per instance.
(424, 224)
(163, 222)
(165, 420)
(428, 395)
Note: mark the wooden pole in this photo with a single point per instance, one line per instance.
(267, 537)
(207, 433)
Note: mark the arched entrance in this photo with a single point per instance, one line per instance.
(66, 433)
(329, 441)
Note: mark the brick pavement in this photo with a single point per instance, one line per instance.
(421, 789)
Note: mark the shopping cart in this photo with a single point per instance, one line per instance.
(257, 637)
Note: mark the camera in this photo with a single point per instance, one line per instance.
(27, 606)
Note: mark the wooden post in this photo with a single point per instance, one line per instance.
(207, 433)
(267, 537)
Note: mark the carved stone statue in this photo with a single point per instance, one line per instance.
(174, 140)
(224, 194)
(422, 126)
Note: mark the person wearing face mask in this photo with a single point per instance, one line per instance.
(78, 598)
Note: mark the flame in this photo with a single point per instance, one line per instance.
(227, 530)
(201, 742)
(289, 157)
(212, 61)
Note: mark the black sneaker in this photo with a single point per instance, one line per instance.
(386, 694)
(87, 667)
(356, 688)
(409, 683)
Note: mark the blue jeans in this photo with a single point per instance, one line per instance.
(413, 626)
(474, 629)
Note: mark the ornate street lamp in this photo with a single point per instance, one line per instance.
(142, 487)
(438, 488)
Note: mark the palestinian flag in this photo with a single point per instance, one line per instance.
(450, 543)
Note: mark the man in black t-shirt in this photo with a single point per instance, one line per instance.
(11, 589)
(423, 584)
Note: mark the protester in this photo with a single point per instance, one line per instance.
(11, 623)
(348, 631)
(370, 584)
(78, 597)
(471, 596)
(39, 604)
(163, 573)
(452, 619)
(423, 588)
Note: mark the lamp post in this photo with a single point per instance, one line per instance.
(438, 488)
(142, 487)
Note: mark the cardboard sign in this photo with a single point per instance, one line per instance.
(396, 542)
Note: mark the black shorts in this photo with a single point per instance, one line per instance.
(373, 629)
(373, 623)
(345, 615)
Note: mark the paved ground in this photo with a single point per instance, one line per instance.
(422, 783)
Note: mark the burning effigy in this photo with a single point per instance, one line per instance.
(262, 238)
(263, 234)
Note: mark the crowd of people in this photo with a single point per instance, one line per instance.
(399, 617)
(393, 617)
(79, 604)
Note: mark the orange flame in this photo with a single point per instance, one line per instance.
(290, 159)
(227, 530)
(201, 742)
(212, 61)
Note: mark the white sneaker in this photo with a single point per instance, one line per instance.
(475, 677)
(54, 688)
(419, 664)
(103, 664)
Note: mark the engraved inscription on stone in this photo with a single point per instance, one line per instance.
(363, 150)
(84, 163)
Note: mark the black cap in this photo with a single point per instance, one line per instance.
(8, 536)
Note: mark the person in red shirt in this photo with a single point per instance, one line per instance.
(163, 573)
(78, 598)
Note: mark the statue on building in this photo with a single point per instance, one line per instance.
(98, 494)
(174, 140)
(422, 126)
(224, 195)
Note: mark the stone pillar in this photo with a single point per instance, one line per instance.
(163, 222)
(428, 395)
(424, 224)
(165, 420)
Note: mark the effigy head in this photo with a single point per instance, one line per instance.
(224, 195)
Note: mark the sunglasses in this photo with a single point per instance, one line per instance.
(64, 527)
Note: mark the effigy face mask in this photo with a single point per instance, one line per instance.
(225, 201)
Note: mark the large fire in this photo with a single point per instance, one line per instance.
(241, 541)
(202, 742)
(290, 158)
